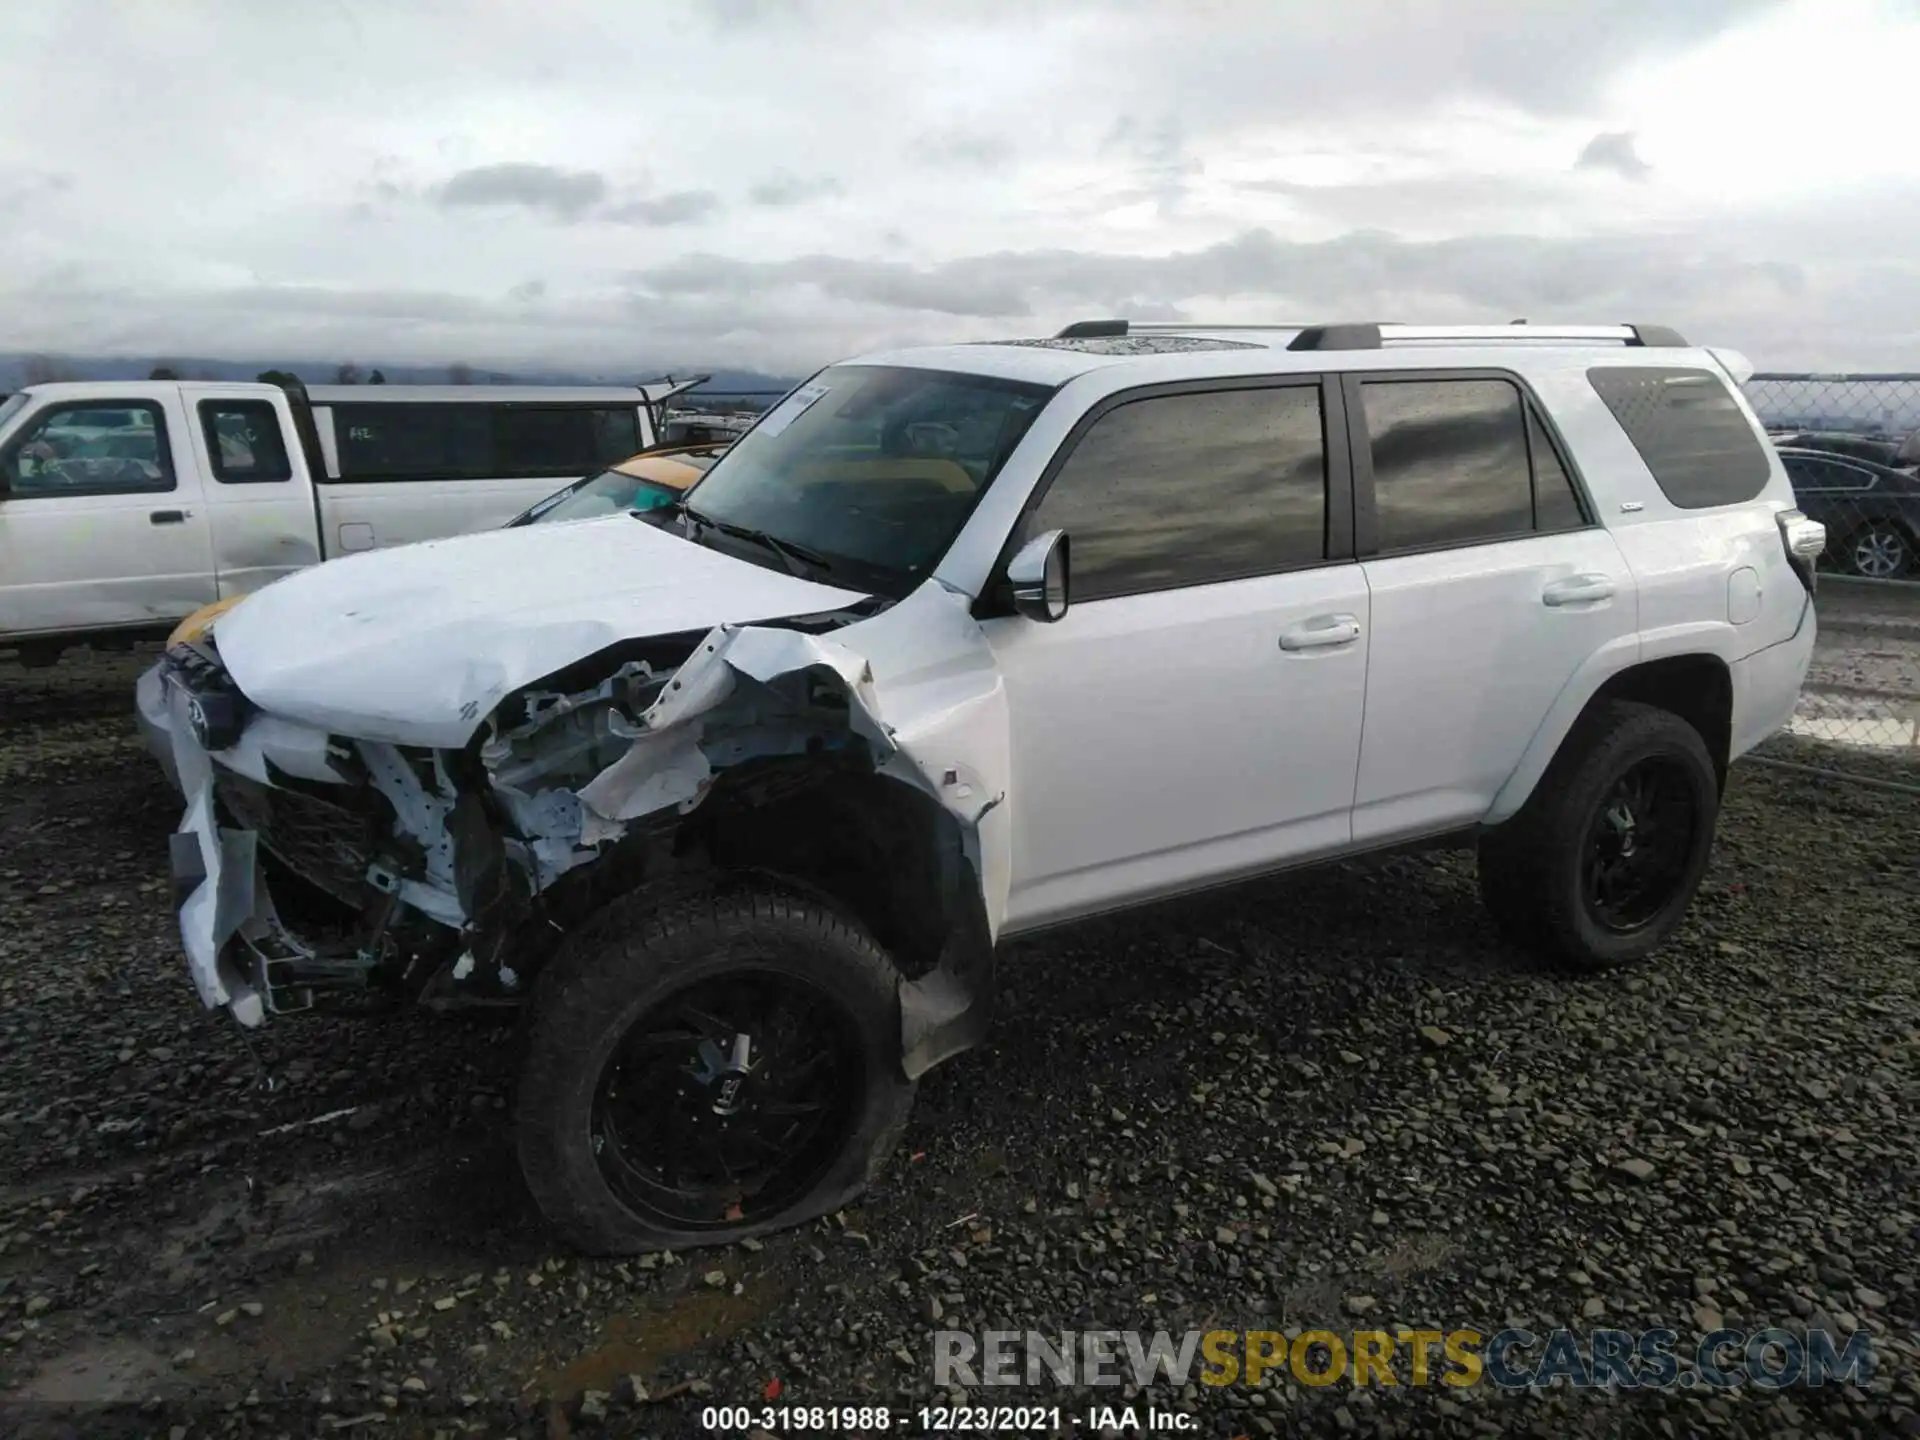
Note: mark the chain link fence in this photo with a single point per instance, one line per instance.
(1851, 446)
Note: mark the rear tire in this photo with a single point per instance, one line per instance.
(1599, 866)
(623, 1096)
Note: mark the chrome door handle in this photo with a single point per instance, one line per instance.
(1578, 590)
(1320, 633)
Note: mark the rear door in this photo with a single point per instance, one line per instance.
(1490, 586)
(1195, 715)
(103, 525)
(259, 495)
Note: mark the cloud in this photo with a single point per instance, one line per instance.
(18, 192)
(1234, 159)
(1163, 167)
(1361, 273)
(741, 14)
(564, 194)
(682, 207)
(791, 315)
(1613, 150)
(784, 189)
(957, 145)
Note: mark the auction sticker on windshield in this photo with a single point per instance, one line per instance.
(791, 409)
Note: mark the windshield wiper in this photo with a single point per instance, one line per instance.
(790, 555)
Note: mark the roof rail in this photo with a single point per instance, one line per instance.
(1371, 336)
(1338, 337)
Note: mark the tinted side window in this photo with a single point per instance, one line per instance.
(532, 442)
(1184, 490)
(87, 450)
(1826, 475)
(1449, 461)
(616, 434)
(244, 441)
(562, 441)
(414, 442)
(1688, 430)
(1556, 504)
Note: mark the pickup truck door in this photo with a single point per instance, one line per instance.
(259, 493)
(1195, 715)
(103, 524)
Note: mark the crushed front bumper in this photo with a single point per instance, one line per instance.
(239, 954)
(216, 877)
(151, 712)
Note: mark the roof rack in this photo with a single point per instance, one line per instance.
(1371, 335)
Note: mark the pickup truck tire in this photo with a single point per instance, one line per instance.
(1600, 864)
(637, 1127)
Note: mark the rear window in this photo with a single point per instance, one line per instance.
(1689, 430)
(462, 441)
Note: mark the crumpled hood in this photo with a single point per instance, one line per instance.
(418, 644)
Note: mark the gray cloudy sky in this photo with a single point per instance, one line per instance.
(590, 183)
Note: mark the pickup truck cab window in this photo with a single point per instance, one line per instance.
(244, 442)
(94, 447)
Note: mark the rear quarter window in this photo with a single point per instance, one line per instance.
(1689, 430)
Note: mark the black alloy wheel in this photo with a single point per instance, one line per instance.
(709, 1064)
(1638, 845)
(728, 1100)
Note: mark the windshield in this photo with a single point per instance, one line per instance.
(868, 471)
(12, 406)
(608, 493)
(661, 477)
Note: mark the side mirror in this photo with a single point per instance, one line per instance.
(1038, 576)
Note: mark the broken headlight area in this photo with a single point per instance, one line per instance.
(216, 710)
(329, 869)
(451, 875)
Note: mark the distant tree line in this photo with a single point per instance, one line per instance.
(49, 369)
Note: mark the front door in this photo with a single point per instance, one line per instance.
(1195, 715)
(101, 525)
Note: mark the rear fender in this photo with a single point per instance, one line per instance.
(1717, 640)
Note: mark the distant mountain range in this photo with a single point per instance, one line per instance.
(21, 369)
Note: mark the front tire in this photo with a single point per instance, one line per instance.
(717, 1068)
(1599, 866)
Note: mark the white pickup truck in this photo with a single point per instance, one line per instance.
(128, 505)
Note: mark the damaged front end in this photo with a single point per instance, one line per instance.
(861, 755)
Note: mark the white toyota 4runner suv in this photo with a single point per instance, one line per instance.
(744, 795)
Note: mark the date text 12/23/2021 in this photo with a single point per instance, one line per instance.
(942, 1419)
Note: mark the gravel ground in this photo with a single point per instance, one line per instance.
(1330, 1100)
